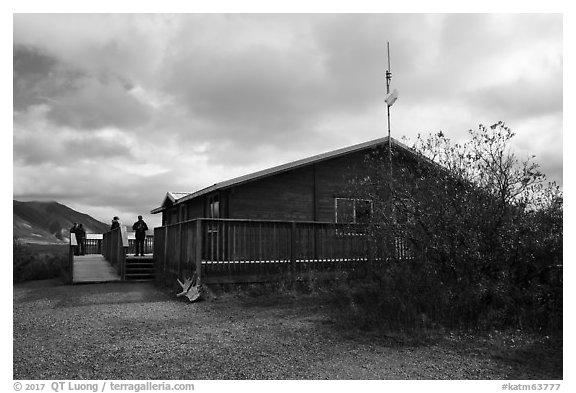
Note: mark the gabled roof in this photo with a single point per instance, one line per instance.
(170, 198)
(283, 168)
(174, 196)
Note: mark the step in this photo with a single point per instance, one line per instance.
(134, 276)
(140, 265)
(139, 271)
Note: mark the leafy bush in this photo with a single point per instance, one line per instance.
(32, 262)
(485, 229)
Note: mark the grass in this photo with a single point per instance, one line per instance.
(39, 261)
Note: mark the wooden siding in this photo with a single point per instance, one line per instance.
(333, 178)
(301, 194)
(195, 208)
(286, 196)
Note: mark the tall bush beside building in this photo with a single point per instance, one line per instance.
(485, 228)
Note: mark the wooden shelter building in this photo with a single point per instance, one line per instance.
(286, 220)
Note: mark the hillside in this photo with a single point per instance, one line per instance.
(49, 222)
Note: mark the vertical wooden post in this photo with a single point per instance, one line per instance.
(125, 243)
(293, 249)
(180, 249)
(165, 252)
(71, 265)
(73, 245)
(259, 242)
(198, 251)
(226, 247)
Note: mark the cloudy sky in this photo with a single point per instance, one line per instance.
(112, 111)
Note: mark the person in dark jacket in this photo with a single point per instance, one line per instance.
(115, 223)
(73, 231)
(140, 228)
(81, 239)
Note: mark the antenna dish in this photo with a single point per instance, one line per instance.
(391, 98)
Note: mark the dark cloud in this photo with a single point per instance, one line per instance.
(272, 93)
(38, 77)
(76, 98)
(94, 105)
(31, 62)
(250, 93)
(39, 143)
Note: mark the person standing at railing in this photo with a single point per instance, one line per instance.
(73, 232)
(81, 239)
(140, 229)
(115, 223)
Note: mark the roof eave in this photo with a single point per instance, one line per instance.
(158, 210)
(287, 167)
(170, 196)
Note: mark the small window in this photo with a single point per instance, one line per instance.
(353, 211)
(213, 207)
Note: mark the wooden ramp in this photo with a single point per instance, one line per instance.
(93, 268)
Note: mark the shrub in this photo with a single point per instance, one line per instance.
(32, 262)
(484, 227)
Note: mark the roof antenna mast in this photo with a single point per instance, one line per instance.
(390, 99)
(388, 80)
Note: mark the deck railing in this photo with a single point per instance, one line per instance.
(114, 246)
(148, 245)
(224, 250)
(71, 252)
(93, 246)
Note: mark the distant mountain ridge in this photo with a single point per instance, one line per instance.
(49, 222)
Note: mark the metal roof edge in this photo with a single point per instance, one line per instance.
(170, 195)
(289, 166)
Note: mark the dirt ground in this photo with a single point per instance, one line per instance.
(137, 331)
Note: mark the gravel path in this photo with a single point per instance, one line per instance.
(136, 331)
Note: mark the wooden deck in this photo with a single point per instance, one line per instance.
(93, 268)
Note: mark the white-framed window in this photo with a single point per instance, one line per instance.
(353, 210)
